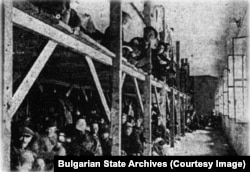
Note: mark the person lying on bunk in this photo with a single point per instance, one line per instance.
(82, 143)
(109, 37)
(106, 141)
(131, 144)
(81, 23)
(95, 134)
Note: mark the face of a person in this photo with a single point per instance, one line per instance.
(160, 49)
(51, 131)
(124, 118)
(125, 23)
(81, 125)
(105, 135)
(129, 131)
(25, 140)
(95, 128)
(102, 121)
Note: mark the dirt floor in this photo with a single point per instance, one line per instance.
(208, 142)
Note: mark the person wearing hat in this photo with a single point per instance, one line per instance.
(131, 143)
(82, 141)
(106, 141)
(23, 143)
(95, 134)
(47, 143)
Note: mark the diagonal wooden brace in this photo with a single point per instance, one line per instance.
(98, 86)
(138, 94)
(31, 77)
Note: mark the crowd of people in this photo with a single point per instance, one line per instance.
(56, 125)
(163, 66)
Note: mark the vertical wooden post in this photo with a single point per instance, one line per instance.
(148, 88)
(178, 105)
(116, 110)
(183, 116)
(163, 105)
(7, 83)
(147, 12)
(172, 117)
(147, 115)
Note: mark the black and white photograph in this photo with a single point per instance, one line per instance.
(147, 78)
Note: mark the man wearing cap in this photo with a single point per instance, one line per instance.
(47, 143)
(106, 141)
(82, 141)
(131, 143)
(21, 145)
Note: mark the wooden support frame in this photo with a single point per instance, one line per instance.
(172, 117)
(148, 116)
(157, 99)
(98, 86)
(31, 77)
(123, 78)
(7, 83)
(116, 109)
(138, 93)
(163, 105)
(11, 104)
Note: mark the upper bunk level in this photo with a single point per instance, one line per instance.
(27, 17)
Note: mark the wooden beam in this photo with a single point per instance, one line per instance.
(172, 118)
(183, 116)
(123, 78)
(178, 113)
(84, 94)
(138, 93)
(31, 77)
(63, 83)
(163, 105)
(116, 44)
(148, 116)
(157, 99)
(98, 86)
(7, 84)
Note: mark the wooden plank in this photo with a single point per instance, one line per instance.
(178, 113)
(147, 116)
(123, 78)
(31, 77)
(63, 83)
(98, 86)
(116, 110)
(172, 118)
(84, 94)
(130, 71)
(157, 99)
(138, 93)
(163, 105)
(7, 83)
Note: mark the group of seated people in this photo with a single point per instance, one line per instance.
(37, 139)
(31, 150)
